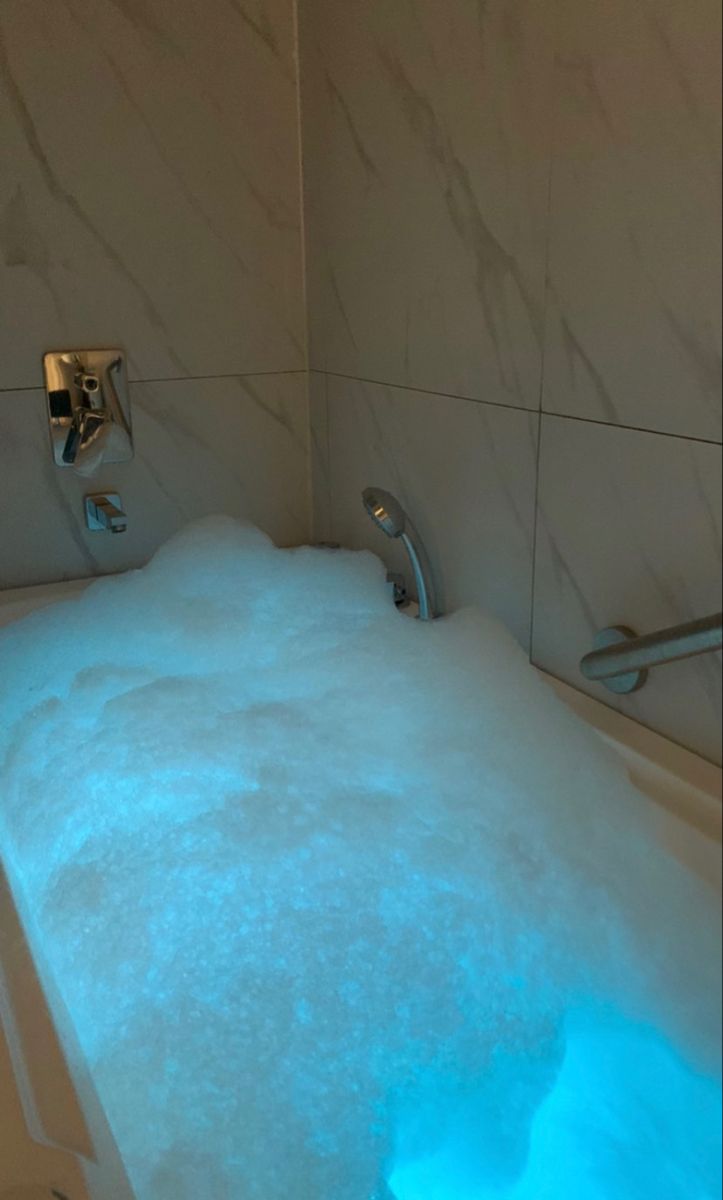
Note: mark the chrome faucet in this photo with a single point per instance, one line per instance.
(88, 434)
(103, 513)
(386, 512)
(88, 409)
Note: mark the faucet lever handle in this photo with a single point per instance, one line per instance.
(87, 435)
(88, 408)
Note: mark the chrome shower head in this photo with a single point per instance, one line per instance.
(385, 510)
(387, 513)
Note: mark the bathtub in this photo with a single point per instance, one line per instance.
(55, 1143)
(58, 1141)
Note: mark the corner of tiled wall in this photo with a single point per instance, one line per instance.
(170, 228)
(513, 245)
(511, 263)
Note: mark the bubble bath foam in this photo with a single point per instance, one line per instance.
(346, 906)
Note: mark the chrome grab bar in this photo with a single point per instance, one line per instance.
(621, 660)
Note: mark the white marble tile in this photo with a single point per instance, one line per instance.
(464, 471)
(320, 465)
(237, 446)
(634, 316)
(426, 147)
(629, 533)
(149, 188)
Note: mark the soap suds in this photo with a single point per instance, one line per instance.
(346, 906)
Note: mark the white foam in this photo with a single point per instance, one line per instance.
(346, 906)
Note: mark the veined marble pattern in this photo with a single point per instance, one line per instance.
(149, 191)
(237, 446)
(465, 471)
(634, 312)
(629, 533)
(320, 457)
(426, 146)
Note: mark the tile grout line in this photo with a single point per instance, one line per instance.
(535, 535)
(302, 187)
(681, 437)
(40, 387)
(303, 249)
(327, 464)
(542, 412)
(552, 151)
(406, 387)
(537, 411)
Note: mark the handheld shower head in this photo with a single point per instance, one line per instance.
(387, 513)
(385, 510)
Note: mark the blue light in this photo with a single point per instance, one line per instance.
(342, 907)
(626, 1119)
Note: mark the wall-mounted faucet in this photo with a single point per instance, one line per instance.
(386, 512)
(88, 409)
(103, 513)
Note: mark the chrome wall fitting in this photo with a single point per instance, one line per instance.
(103, 513)
(398, 585)
(88, 409)
(621, 660)
(387, 513)
(630, 681)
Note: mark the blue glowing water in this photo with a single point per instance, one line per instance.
(344, 907)
(601, 1132)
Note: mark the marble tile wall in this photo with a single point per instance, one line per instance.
(513, 245)
(426, 146)
(512, 256)
(629, 533)
(150, 198)
(235, 445)
(465, 470)
(634, 295)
